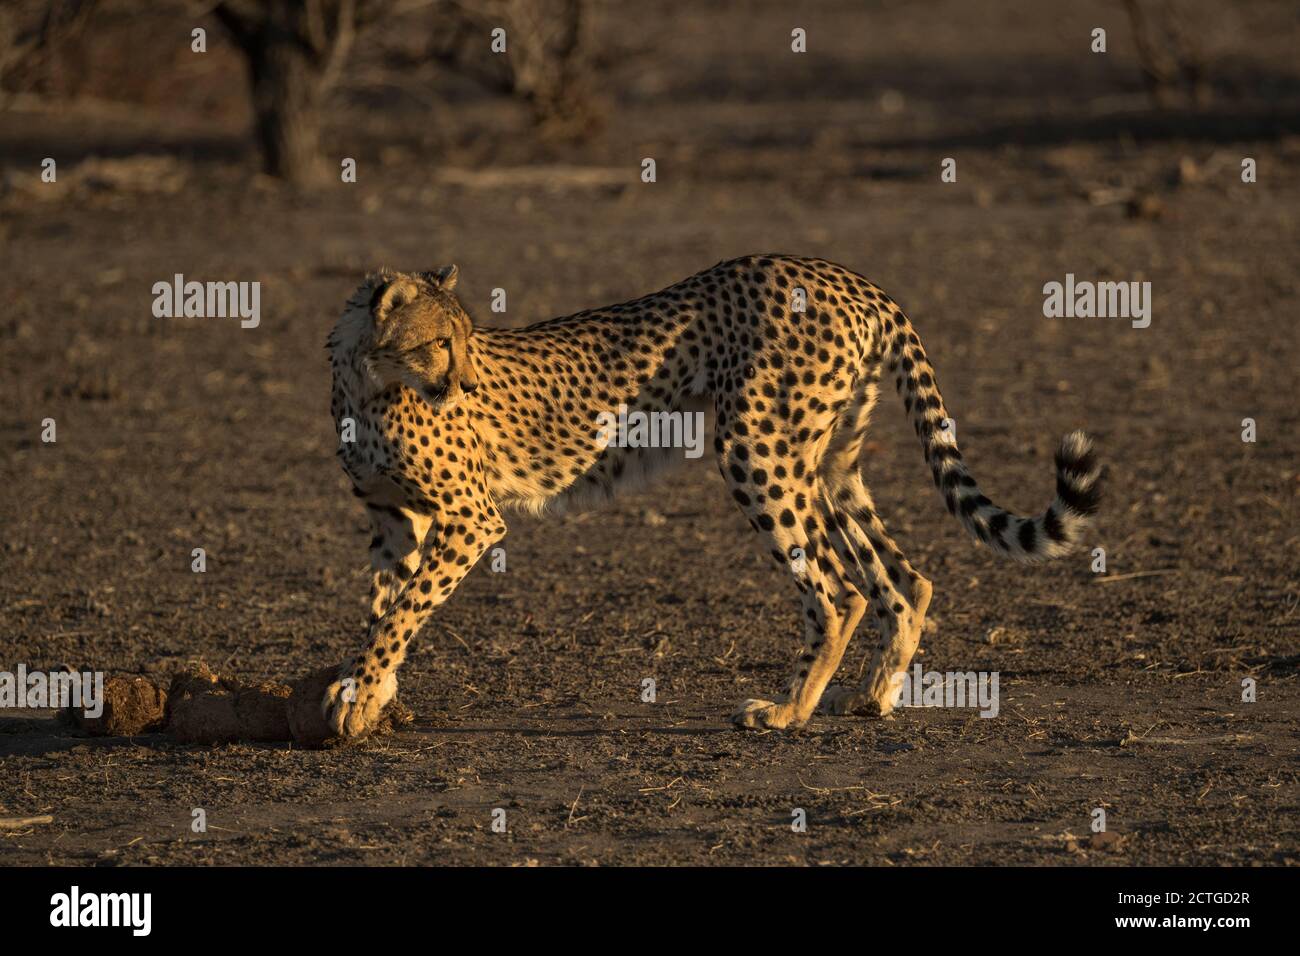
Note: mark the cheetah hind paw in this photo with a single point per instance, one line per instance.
(839, 701)
(763, 715)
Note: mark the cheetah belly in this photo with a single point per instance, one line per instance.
(619, 469)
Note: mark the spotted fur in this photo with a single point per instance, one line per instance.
(456, 424)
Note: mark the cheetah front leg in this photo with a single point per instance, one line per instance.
(366, 684)
(394, 553)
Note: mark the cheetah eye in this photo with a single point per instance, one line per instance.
(442, 343)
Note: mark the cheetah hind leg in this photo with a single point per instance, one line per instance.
(833, 606)
(824, 643)
(899, 619)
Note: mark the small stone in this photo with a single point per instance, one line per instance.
(1106, 840)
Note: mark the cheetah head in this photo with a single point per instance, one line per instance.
(420, 336)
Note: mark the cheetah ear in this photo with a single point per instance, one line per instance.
(391, 295)
(445, 278)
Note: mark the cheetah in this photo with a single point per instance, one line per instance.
(453, 425)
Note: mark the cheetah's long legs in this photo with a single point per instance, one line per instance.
(899, 614)
(353, 702)
(900, 595)
(394, 553)
(827, 631)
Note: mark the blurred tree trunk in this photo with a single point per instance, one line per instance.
(287, 96)
(548, 63)
(551, 70)
(30, 32)
(294, 50)
(1169, 52)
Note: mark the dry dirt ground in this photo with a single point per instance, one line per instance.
(1120, 691)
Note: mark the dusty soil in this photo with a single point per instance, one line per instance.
(1120, 691)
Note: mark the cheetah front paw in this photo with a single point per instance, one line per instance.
(763, 715)
(351, 707)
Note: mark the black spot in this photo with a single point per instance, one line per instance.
(1081, 500)
(1052, 525)
(1027, 535)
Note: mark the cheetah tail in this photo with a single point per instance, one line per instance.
(1078, 475)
